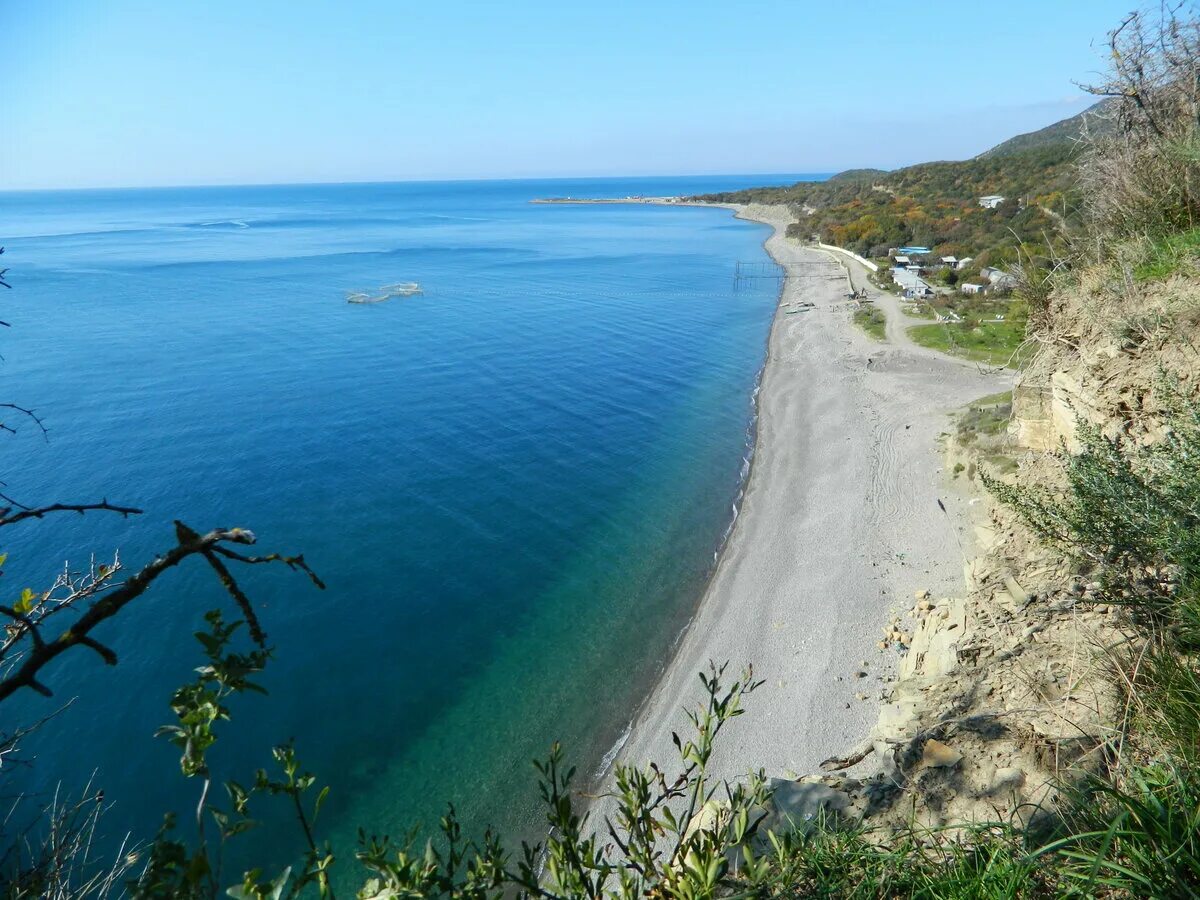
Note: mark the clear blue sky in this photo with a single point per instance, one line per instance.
(164, 92)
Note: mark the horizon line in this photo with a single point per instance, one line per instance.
(252, 184)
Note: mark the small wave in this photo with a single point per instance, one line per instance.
(222, 223)
(611, 756)
(457, 218)
(100, 232)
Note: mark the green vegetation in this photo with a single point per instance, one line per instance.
(919, 311)
(987, 416)
(1127, 512)
(872, 321)
(978, 335)
(937, 205)
(1096, 119)
(1168, 255)
(1133, 513)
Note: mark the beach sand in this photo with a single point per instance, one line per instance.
(839, 525)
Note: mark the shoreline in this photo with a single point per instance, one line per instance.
(829, 537)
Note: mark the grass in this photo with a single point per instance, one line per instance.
(873, 321)
(1168, 255)
(978, 336)
(987, 416)
(992, 343)
(860, 864)
(919, 311)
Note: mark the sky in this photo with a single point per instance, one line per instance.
(108, 93)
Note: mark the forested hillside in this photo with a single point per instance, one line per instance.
(1096, 120)
(937, 205)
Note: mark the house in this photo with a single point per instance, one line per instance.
(969, 288)
(964, 262)
(910, 280)
(902, 262)
(951, 261)
(991, 201)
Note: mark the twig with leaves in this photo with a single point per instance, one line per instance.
(107, 599)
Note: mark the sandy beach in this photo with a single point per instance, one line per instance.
(839, 525)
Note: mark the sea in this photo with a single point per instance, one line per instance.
(514, 484)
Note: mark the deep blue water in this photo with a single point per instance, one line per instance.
(513, 484)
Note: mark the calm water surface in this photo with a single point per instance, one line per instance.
(513, 484)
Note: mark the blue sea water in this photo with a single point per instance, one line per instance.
(513, 484)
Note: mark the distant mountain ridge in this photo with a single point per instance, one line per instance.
(1096, 118)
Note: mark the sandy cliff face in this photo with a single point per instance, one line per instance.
(1004, 690)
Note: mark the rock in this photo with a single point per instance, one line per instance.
(937, 755)
(860, 674)
(922, 595)
(882, 645)
(1006, 780)
(797, 805)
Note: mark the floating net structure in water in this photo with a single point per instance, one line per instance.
(387, 292)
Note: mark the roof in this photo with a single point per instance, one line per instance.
(949, 259)
(992, 197)
(913, 251)
(902, 259)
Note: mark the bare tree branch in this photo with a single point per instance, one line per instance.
(28, 412)
(40, 511)
(108, 604)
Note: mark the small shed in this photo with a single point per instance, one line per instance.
(991, 201)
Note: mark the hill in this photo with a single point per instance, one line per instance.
(1095, 118)
(936, 204)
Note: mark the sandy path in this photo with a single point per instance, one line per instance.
(839, 525)
(898, 322)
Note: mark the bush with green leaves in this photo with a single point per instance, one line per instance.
(683, 835)
(1131, 513)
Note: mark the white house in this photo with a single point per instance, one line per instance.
(951, 261)
(968, 288)
(991, 201)
(902, 262)
(914, 285)
(964, 262)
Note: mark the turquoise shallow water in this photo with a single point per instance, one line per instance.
(513, 484)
